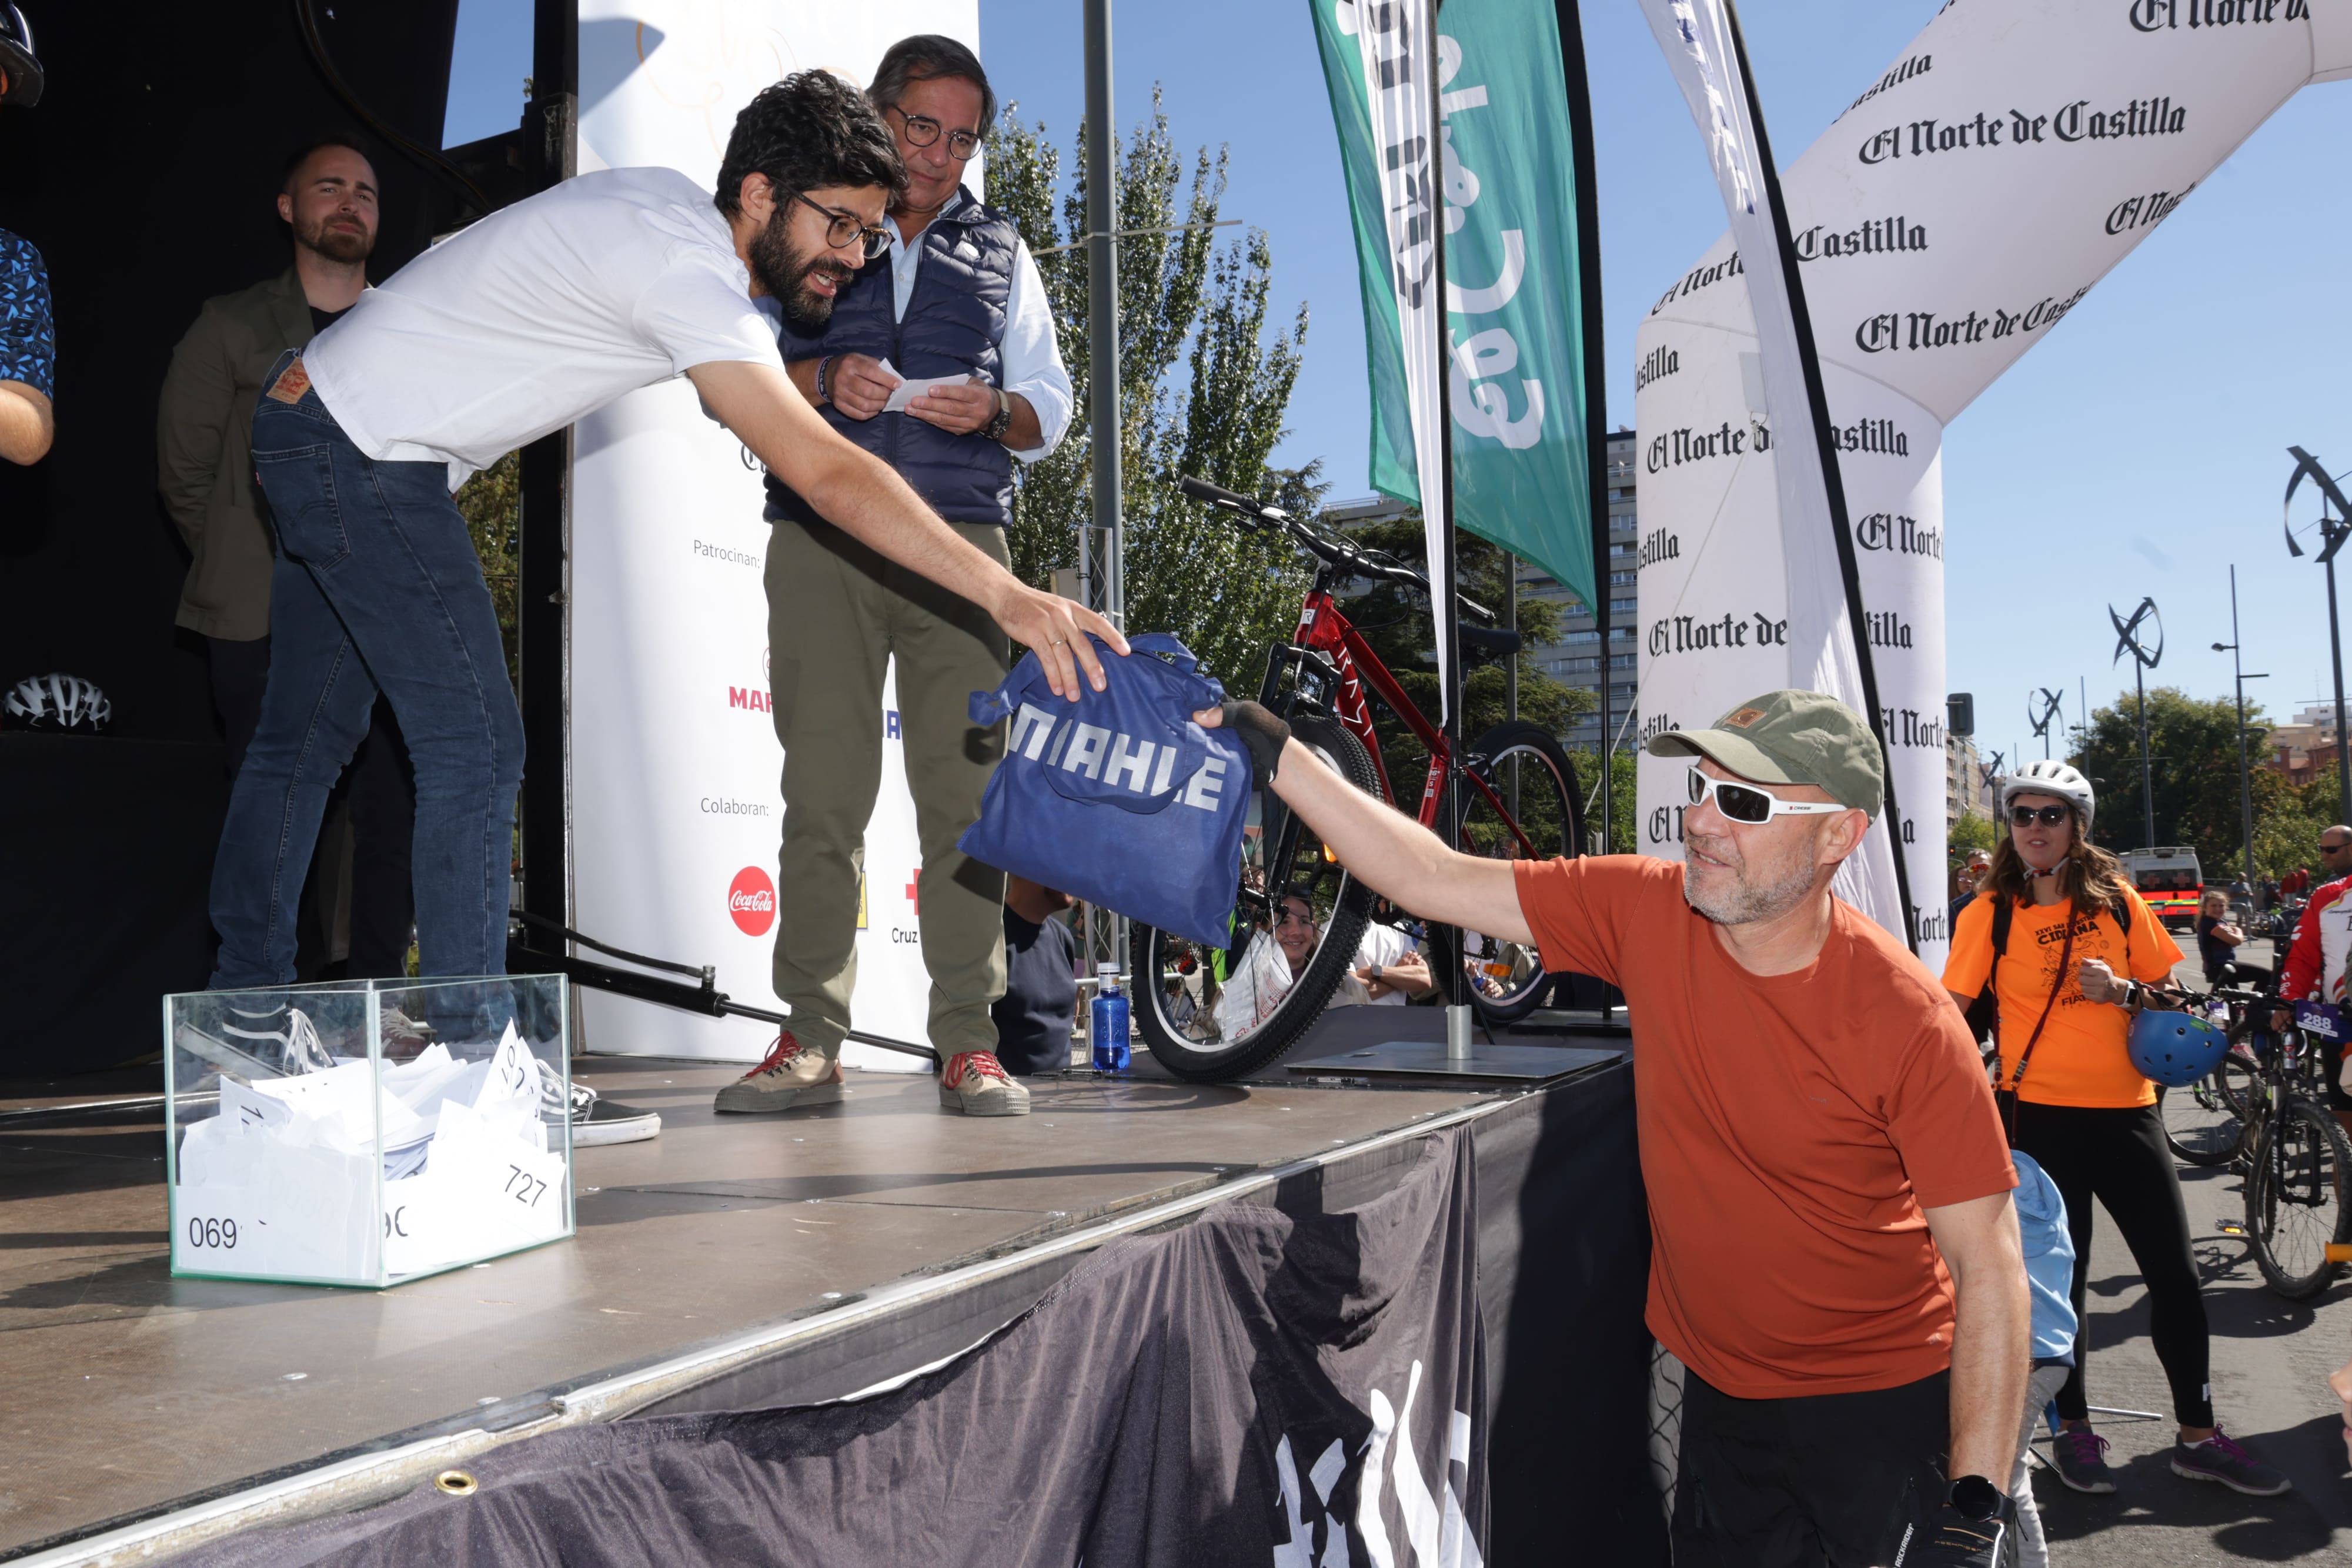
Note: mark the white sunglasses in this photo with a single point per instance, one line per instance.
(1751, 803)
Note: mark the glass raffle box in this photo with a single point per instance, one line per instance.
(367, 1131)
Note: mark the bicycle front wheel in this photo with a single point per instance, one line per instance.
(1210, 1014)
(2299, 1200)
(1525, 765)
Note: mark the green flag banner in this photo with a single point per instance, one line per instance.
(1514, 320)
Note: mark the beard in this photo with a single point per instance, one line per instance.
(335, 242)
(1758, 891)
(784, 273)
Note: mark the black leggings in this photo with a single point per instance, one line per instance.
(2118, 1157)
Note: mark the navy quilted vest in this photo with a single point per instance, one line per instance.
(955, 322)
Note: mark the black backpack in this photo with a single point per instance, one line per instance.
(1984, 1013)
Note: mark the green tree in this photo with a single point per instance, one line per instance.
(491, 504)
(1396, 621)
(1971, 833)
(2193, 747)
(1201, 392)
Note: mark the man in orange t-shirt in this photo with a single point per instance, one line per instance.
(1833, 1255)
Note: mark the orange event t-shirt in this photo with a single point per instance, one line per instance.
(1792, 1128)
(2080, 1057)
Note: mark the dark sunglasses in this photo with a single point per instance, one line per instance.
(2048, 816)
(843, 230)
(2333, 849)
(1746, 803)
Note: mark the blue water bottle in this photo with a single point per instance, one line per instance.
(1110, 1021)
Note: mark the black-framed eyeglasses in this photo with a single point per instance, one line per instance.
(922, 130)
(843, 228)
(2048, 816)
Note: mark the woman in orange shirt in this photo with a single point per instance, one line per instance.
(2079, 953)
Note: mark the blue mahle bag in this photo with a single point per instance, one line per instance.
(1119, 799)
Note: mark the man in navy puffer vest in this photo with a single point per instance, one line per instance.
(957, 296)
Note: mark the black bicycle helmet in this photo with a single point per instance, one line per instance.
(56, 702)
(21, 78)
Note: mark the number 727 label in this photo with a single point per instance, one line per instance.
(524, 1188)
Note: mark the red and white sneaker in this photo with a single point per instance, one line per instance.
(976, 1083)
(792, 1076)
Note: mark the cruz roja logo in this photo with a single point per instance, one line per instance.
(1689, 634)
(2157, 15)
(2073, 122)
(1898, 535)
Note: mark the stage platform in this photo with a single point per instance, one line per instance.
(132, 1393)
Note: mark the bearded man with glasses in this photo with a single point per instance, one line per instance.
(1834, 1256)
(950, 308)
(533, 318)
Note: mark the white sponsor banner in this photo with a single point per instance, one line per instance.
(1969, 197)
(676, 769)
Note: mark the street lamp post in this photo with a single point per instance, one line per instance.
(2332, 532)
(2239, 677)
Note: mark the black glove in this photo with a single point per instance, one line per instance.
(1952, 1540)
(1256, 727)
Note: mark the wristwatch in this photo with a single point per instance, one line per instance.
(1973, 1497)
(996, 428)
(1376, 974)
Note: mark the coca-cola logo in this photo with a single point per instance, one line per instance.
(752, 901)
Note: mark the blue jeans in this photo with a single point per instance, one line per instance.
(377, 588)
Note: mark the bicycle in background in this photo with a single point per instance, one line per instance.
(2264, 1109)
(1215, 1013)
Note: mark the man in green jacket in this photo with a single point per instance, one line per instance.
(204, 441)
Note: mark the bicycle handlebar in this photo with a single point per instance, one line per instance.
(1339, 555)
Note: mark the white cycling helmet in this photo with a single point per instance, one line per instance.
(2048, 777)
(56, 702)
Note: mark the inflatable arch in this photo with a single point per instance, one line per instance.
(1953, 214)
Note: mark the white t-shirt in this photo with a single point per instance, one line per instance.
(541, 313)
(1384, 945)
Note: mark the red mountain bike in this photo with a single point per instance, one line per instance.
(1213, 1013)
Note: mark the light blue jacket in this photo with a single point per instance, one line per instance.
(2049, 1259)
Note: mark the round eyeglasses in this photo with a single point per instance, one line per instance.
(843, 229)
(922, 130)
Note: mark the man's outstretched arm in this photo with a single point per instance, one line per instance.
(1388, 851)
(860, 495)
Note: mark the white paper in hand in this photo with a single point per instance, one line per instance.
(907, 392)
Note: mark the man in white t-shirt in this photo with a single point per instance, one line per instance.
(538, 315)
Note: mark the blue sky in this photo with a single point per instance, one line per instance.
(2138, 450)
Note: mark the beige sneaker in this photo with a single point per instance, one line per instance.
(976, 1084)
(792, 1076)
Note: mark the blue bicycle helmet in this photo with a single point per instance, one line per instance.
(2175, 1049)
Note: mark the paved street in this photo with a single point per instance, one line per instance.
(2271, 1361)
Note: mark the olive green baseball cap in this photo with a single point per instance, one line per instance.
(1791, 737)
